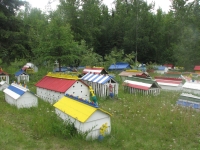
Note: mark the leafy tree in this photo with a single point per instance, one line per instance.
(11, 37)
(59, 43)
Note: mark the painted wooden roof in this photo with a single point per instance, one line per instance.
(197, 68)
(161, 68)
(173, 74)
(191, 85)
(3, 72)
(140, 83)
(119, 66)
(98, 78)
(15, 91)
(130, 73)
(168, 81)
(97, 70)
(189, 97)
(169, 65)
(76, 109)
(55, 84)
(20, 72)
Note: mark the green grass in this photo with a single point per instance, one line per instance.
(138, 123)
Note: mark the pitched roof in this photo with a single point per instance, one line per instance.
(98, 78)
(189, 97)
(75, 109)
(15, 91)
(168, 81)
(119, 66)
(197, 68)
(3, 72)
(140, 83)
(191, 85)
(130, 73)
(20, 72)
(161, 68)
(98, 70)
(55, 84)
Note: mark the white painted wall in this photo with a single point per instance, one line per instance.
(79, 89)
(27, 100)
(10, 100)
(93, 124)
(48, 95)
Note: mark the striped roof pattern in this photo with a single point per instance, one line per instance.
(15, 91)
(140, 83)
(168, 81)
(97, 78)
(189, 97)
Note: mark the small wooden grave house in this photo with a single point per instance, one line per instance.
(22, 76)
(4, 76)
(96, 70)
(141, 85)
(129, 73)
(191, 87)
(119, 66)
(55, 85)
(87, 117)
(3, 85)
(103, 85)
(169, 66)
(20, 96)
(30, 68)
(174, 84)
(189, 100)
(197, 69)
(161, 69)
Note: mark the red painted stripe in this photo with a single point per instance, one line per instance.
(166, 78)
(168, 81)
(137, 86)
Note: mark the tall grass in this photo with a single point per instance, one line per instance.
(137, 123)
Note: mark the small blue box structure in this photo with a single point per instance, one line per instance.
(189, 100)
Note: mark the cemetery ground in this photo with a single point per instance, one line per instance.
(138, 123)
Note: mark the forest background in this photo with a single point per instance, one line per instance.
(86, 32)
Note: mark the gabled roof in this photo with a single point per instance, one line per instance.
(189, 97)
(130, 73)
(161, 68)
(98, 70)
(20, 72)
(191, 85)
(75, 109)
(15, 91)
(140, 83)
(3, 72)
(120, 66)
(168, 81)
(168, 65)
(98, 78)
(55, 84)
(197, 68)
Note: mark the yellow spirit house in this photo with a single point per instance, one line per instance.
(85, 115)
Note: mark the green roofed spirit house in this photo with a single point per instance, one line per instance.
(142, 86)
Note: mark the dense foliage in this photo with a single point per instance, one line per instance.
(79, 29)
